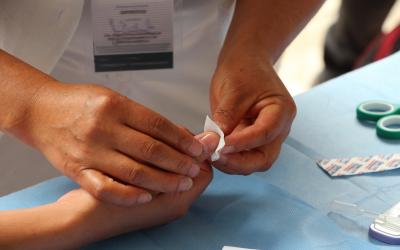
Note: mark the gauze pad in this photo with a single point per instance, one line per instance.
(211, 126)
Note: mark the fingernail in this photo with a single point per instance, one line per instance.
(185, 184)
(194, 170)
(222, 159)
(196, 148)
(144, 198)
(227, 149)
(210, 143)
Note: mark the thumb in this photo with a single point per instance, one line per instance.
(229, 112)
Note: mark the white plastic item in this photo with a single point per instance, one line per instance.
(353, 210)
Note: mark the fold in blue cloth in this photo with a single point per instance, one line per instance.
(234, 210)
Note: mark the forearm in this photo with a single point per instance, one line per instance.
(19, 87)
(267, 25)
(78, 218)
(67, 224)
(44, 227)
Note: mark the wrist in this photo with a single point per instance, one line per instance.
(245, 45)
(20, 84)
(268, 25)
(239, 56)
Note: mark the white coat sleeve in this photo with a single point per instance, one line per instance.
(38, 31)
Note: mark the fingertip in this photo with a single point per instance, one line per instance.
(144, 198)
(185, 184)
(196, 148)
(194, 170)
(126, 195)
(209, 141)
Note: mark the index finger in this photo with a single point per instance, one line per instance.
(270, 122)
(160, 128)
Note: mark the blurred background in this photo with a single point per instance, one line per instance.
(303, 59)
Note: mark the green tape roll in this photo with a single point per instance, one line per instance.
(383, 127)
(375, 110)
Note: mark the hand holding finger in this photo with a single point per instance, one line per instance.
(255, 111)
(251, 160)
(210, 141)
(94, 220)
(91, 133)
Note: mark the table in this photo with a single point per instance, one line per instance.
(326, 127)
(287, 206)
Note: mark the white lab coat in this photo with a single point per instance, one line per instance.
(184, 101)
(40, 32)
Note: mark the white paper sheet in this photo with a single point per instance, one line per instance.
(211, 126)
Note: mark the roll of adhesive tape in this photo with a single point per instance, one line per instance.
(374, 110)
(384, 127)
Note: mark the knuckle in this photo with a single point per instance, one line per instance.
(183, 166)
(135, 175)
(79, 155)
(152, 150)
(100, 106)
(158, 124)
(74, 171)
(169, 187)
(74, 162)
(100, 191)
(105, 100)
(225, 113)
(86, 128)
(264, 138)
(183, 140)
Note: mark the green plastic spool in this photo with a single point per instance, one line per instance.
(375, 110)
(386, 114)
(383, 124)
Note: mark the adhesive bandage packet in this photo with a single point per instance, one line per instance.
(211, 126)
(360, 165)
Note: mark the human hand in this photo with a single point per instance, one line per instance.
(98, 220)
(253, 108)
(209, 140)
(101, 139)
(78, 218)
